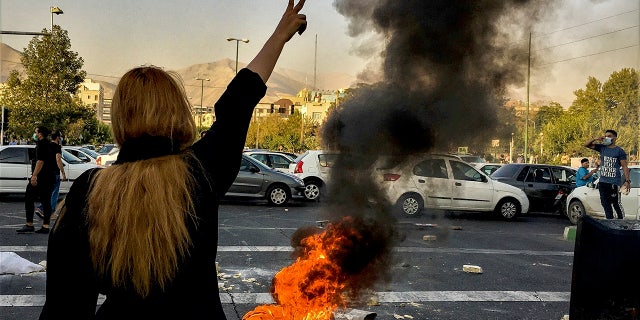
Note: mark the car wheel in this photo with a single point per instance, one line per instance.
(312, 190)
(278, 195)
(410, 205)
(508, 209)
(576, 211)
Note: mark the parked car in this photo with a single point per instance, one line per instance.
(109, 154)
(445, 182)
(546, 186)
(15, 168)
(272, 159)
(108, 148)
(84, 154)
(487, 168)
(313, 168)
(90, 147)
(256, 180)
(586, 200)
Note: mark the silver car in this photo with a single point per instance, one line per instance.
(256, 180)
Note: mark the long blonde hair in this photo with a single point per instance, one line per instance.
(137, 211)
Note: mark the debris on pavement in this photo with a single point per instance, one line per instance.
(471, 268)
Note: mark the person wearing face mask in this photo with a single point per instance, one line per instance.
(612, 158)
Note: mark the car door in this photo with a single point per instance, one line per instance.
(470, 188)
(431, 177)
(249, 180)
(15, 169)
(540, 188)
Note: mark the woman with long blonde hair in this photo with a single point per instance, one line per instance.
(143, 231)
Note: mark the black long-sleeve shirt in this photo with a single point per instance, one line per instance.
(72, 283)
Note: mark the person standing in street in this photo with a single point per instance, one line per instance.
(41, 183)
(612, 158)
(56, 141)
(143, 232)
(583, 175)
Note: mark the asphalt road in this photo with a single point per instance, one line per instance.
(526, 264)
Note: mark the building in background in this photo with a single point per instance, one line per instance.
(92, 94)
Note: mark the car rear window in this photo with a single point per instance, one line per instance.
(13, 155)
(506, 171)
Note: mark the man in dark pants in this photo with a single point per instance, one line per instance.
(41, 183)
(612, 158)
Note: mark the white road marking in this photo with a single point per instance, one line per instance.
(383, 297)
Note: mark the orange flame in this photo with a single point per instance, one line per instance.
(312, 287)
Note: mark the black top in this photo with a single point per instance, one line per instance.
(72, 284)
(46, 154)
(55, 149)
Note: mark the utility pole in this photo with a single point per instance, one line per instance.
(202, 80)
(526, 121)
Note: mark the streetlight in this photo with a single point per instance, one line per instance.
(237, 45)
(202, 80)
(55, 10)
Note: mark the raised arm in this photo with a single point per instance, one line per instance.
(591, 143)
(266, 59)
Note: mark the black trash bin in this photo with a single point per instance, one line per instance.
(605, 283)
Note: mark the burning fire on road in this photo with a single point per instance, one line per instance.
(332, 268)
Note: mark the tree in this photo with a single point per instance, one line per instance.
(294, 134)
(44, 95)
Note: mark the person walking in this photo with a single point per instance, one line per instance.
(41, 182)
(56, 141)
(612, 158)
(143, 232)
(583, 175)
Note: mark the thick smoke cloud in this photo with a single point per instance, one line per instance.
(445, 66)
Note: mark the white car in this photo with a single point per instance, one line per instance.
(446, 182)
(586, 200)
(109, 154)
(84, 154)
(313, 167)
(272, 159)
(15, 168)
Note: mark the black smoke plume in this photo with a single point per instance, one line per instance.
(446, 65)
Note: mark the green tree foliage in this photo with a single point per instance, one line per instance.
(44, 95)
(597, 107)
(294, 134)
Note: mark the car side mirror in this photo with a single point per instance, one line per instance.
(254, 169)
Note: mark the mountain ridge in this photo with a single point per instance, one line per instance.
(283, 82)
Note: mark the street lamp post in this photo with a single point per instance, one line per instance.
(237, 47)
(54, 10)
(202, 80)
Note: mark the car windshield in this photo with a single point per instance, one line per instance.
(90, 152)
(257, 163)
(505, 171)
(106, 149)
(69, 158)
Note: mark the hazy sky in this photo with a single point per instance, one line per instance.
(584, 38)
